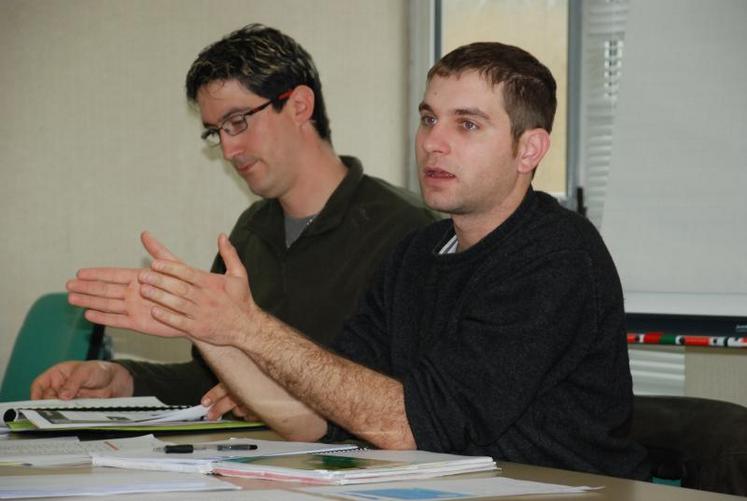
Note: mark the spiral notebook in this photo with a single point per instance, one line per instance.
(107, 413)
(354, 466)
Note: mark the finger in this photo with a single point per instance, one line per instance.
(156, 249)
(213, 395)
(50, 393)
(176, 304)
(109, 319)
(240, 411)
(168, 284)
(171, 319)
(39, 385)
(104, 305)
(77, 378)
(114, 275)
(97, 288)
(234, 266)
(177, 270)
(222, 406)
(106, 392)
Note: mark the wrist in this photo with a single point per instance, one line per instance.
(123, 381)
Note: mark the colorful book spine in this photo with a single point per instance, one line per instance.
(686, 340)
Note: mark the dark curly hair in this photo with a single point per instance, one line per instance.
(266, 62)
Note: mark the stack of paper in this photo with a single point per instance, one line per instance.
(312, 463)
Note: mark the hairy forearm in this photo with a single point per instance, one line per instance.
(366, 403)
(286, 415)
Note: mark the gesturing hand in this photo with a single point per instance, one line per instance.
(112, 295)
(214, 308)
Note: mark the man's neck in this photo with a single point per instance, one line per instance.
(320, 173)
(471, 228)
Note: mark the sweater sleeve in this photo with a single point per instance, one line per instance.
(175, 384)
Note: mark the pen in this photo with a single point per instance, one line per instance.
(188, 448)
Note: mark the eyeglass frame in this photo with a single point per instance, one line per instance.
(209, 131)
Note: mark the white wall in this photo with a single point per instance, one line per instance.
(97, 141)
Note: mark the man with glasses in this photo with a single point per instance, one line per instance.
(312, 243)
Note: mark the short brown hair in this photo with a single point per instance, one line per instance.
(528, 86)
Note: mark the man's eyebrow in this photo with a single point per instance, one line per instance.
(474, 112)
(227, 114)
(470, 112)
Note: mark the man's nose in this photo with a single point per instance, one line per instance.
(434, 139)
(230, 145)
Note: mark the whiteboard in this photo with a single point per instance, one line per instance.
(675, 215)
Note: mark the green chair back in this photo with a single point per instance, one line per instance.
(53, 331)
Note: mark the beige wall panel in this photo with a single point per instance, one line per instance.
(97, 141)
(717, 373)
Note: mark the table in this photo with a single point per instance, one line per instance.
(614, 488)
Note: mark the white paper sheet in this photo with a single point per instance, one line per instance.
(99, 484)
(443, 490)
(67, 450)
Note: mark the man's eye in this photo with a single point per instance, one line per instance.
(427, 120)
(467, 124)
(210, 134)
(235, 122)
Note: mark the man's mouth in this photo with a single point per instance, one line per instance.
(243, 166)
(435, 172)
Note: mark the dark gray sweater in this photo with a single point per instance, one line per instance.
(514, 348)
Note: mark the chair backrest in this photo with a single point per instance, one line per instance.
(699, 441)
(53, 331)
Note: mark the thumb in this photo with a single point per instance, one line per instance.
(234, 266)
(156, 249)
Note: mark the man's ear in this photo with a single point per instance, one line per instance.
(533, 145)
(301, 104)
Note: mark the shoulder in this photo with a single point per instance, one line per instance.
(385, 199)
(254, 211)
(560, 229)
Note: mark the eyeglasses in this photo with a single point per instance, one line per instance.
(236, 124)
